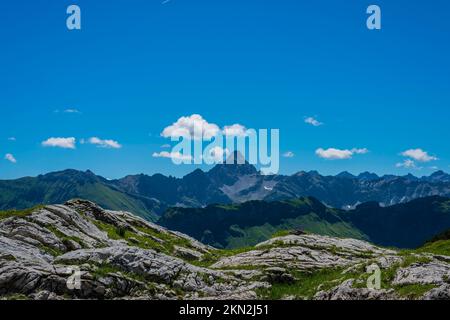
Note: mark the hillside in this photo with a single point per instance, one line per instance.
(439, 244)
(59, 187)
(246, 224)
(79, 250)
(406, 225)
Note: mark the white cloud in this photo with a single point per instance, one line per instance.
(12, 139)
(236, 130)
(191, 127)
(408, 163)
(359, 151)
(106, 143)
(197, 128)
(70, 110)
(312, 121)
(338, 154)
(418, 155)
(65, 143)
(288, 154)
(165, 146)
(10, 158)
(171, 155)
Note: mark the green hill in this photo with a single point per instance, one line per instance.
(406, 225)
(60, 187)
(439, 244)
(232, 226)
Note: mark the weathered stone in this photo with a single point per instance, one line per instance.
(440, 293)
(39, 253)
(345, 291)
(428, 273)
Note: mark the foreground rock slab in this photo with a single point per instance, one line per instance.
(81, 251)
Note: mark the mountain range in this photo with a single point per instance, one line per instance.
(149, 196)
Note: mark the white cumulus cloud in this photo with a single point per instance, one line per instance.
(10, 158)
(65, 143)
(339, 154)
(312, 121)
(105, 143)
(191, 127)
(418, 155)
(197, 128)
(171, 155)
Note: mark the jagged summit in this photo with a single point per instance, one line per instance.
(368, 176)
(440, 176)
(346, 175)
(229, 172)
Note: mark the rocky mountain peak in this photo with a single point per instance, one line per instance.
(234, 168)
(345, 175)
(368, 176)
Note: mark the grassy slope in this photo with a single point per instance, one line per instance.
(310, 222)
(115, 200)
(440, 244)
(29, 192)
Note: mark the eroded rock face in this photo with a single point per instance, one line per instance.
(79, 250)
(440, 293)
(305, 252)
(113, 254)
(346, 291)
(435, 272)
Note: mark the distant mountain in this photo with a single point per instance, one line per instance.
(345, 175)
(346, 192)
(368, 176)
(438, 176)
(406, 225)
(148, 196)
(237, 183)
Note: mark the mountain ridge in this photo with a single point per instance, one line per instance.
(149, 196)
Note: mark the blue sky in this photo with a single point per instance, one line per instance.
(138, 66)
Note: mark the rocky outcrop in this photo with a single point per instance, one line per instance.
(79, 250)
(347, 291)
(113, 254)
